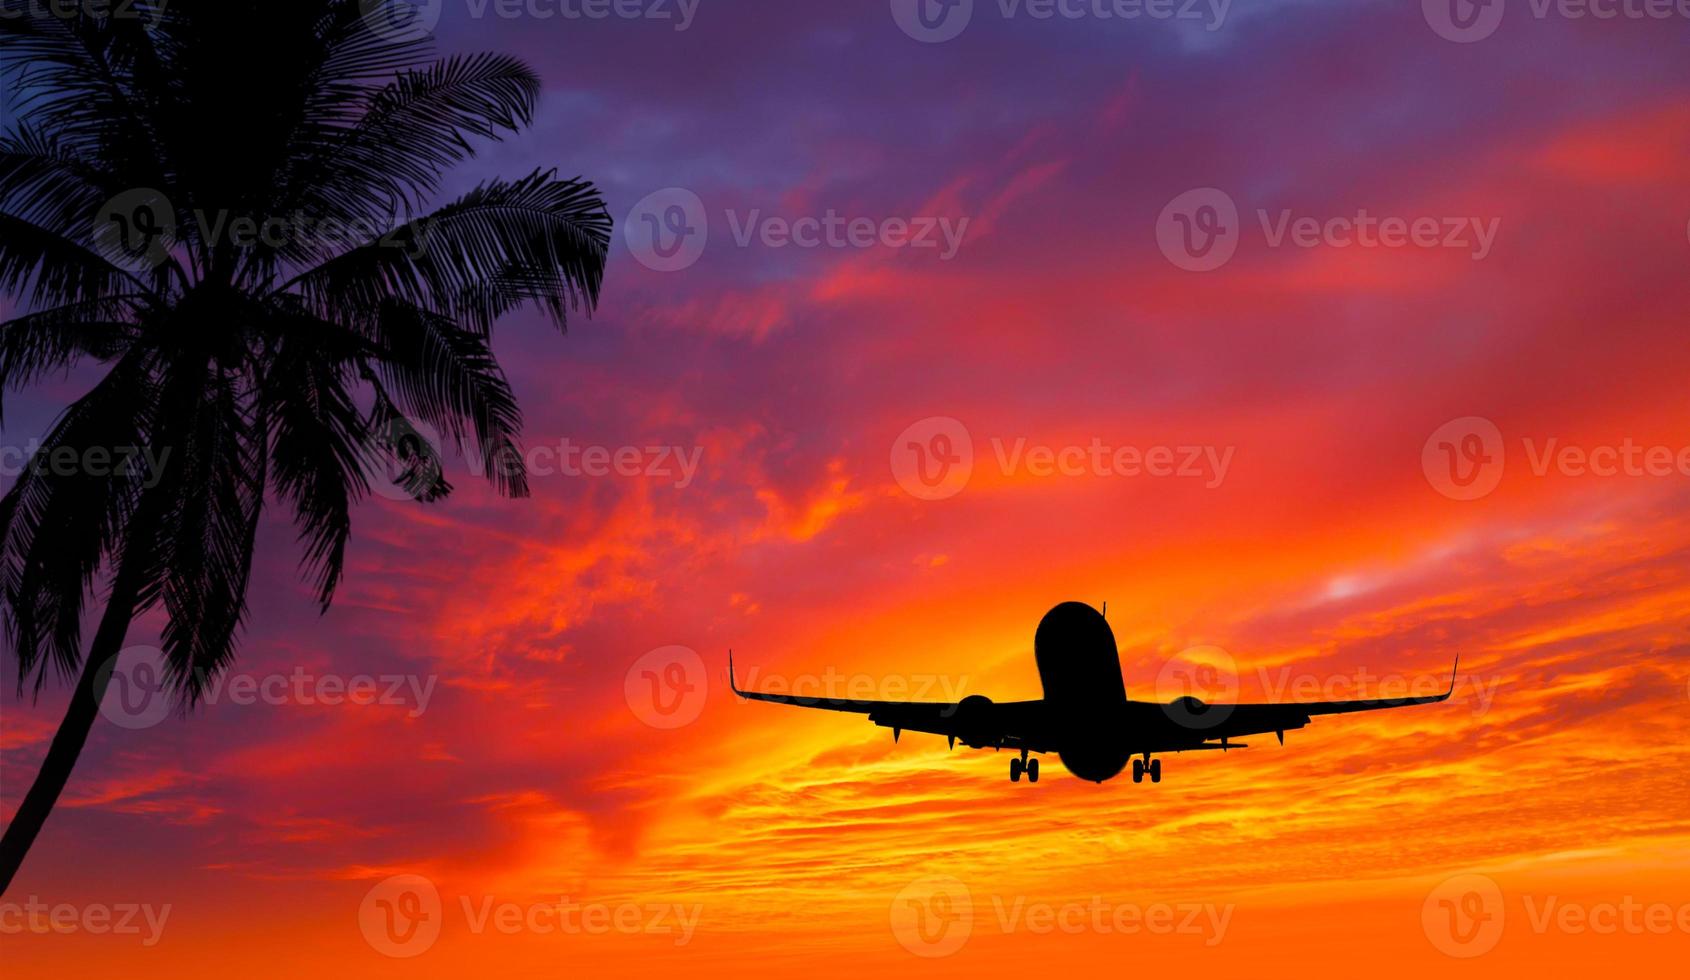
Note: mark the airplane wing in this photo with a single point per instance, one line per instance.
(975, 721)
(1232, 720)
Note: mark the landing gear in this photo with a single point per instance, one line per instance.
(1143, 766)
(1015, 768)
(1032, 770)
(1024, 765)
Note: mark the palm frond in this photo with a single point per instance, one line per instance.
(37, 344)
(448, 377)
(203, 539)
(49, 270)
(314, 453)
(540, 240)
(67, 512)
(44, 182)
(381, 168)
(76, 74)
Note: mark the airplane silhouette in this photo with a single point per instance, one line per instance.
(1085, 716)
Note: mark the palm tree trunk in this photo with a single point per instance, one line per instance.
(72, 733)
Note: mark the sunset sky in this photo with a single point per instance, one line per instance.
(1314, 549)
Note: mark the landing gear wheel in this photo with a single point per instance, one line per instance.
(1138, 770)
(1032, 770)
(1015, 768)
(1156, 771)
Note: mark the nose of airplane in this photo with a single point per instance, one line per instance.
(1068, 617)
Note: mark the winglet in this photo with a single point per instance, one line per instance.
(1452, 672)
(731, 685)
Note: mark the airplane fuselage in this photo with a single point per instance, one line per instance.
(1080, 670)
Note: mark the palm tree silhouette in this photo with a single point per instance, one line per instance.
(222, 203)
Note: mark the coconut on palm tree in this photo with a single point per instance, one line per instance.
(226, 206)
